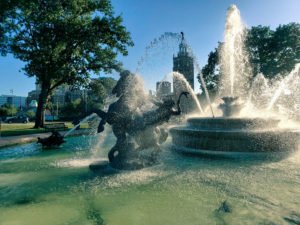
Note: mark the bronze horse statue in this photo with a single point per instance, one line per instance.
(54, 140)
(132, 127)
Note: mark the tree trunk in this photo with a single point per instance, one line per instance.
(40, 112)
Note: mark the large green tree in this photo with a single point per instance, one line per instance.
(210, 71)
(274, 52)
(99, 89)
(8, 110)
(62, 41)
(93, 98)
(271, 52)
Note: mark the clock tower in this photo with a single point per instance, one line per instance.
(183, 63)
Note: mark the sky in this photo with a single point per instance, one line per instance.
(202, 21)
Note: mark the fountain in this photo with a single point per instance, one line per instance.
(59, 188)
(230, 107)
(183, 85)
(135, 120)
(231, 133)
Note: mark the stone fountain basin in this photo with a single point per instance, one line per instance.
(234, 135)
(232, 123)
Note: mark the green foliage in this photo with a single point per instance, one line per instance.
(65, 39)
(99, 89)
(96, 94)
(271, 52)
(259, 42)
(62, 41)
(210, 71)
(8, 110)
(72, 110)
(50, 106)
(274, 52)
(30, 114)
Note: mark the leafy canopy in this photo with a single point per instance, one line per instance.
(62, 41)
(271, 52)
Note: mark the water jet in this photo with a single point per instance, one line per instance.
(231, 133)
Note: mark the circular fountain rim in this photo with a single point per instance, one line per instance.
(221, 118)
(232, 123)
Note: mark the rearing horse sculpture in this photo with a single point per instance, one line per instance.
(130, 125)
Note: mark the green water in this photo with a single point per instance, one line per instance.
(57, 188)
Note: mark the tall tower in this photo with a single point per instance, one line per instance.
(184, 63)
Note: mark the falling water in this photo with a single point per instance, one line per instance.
(86, 119)
(198, 71)
(283, 85)
(234, 60)
(158, 48)
(206, 94)
(259, 92)
(185, 86)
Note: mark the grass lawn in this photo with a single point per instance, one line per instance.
(15, 129)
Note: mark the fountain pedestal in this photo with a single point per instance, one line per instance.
(229, 134)
(231, 107)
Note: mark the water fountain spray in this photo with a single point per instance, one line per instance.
(206, 94)
(184, 85)
(168, 41)
(198, 70)
(234, 59)
(282, 86)
(230, 133)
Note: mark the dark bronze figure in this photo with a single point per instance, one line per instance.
(136, 130)
(54, 140)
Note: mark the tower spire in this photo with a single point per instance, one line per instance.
(182, 36)
(182, 45)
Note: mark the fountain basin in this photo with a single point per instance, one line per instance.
(234, 135)
(232, 123)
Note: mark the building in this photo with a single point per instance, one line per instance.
(183, 63)
(60, 96)
(17, 101)
(163, 89)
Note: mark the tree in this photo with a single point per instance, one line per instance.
(30, 114)
(287, 47)
(73, 110)
(270, 52)
(99, 89)
(259, 45)
(62, 41)
(8, 110)
(274, 52)
(210, 71)
(93, 99)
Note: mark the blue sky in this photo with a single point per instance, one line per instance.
(202, 21)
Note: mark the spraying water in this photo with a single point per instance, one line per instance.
(283, 85)
(86, 119)
(198, 71)
(234, 60)
(206, 94)
(157, 50)
(259, 92)
(183, 84)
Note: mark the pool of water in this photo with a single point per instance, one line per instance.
(56, 187)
